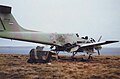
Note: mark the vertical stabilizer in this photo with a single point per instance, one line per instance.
(7, 21)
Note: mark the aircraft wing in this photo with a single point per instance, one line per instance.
(97, 44)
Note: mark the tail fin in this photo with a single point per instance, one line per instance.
(7, 21)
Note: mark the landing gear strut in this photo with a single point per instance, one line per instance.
(73, 55)
(90, 56)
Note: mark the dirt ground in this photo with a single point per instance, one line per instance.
(14, 66)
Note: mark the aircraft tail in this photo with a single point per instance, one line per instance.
(7, 21)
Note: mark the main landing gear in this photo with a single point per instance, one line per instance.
(83, 56)
(38, 55)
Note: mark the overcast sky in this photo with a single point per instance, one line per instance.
(86, 17)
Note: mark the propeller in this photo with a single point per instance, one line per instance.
(99, 38)
(98, 52)
(98, 47)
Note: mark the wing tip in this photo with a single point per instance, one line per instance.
(112, 41)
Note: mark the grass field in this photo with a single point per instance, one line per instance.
(14, 66)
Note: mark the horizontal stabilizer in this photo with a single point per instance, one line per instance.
(5, 9)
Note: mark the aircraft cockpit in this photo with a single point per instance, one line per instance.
(86, 39)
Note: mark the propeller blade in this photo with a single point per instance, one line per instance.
(98, 52)
(99, 38)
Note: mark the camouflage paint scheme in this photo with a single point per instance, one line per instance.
(10, 29)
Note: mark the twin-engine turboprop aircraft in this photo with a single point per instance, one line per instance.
(73, 43)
